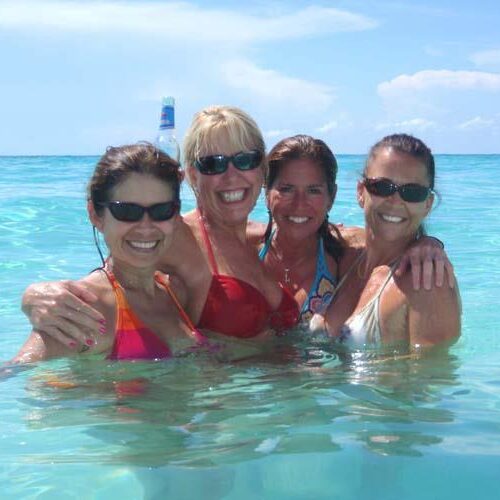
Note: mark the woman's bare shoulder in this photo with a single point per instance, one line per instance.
(255, 232)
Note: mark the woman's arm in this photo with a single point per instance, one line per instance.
(434, 316)
(426, 258)
(61, 311)
(40, 346)
(255, 233)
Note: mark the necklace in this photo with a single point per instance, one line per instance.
(287, 276)
(287, 269)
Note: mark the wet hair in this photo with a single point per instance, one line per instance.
(216, 125)
(305, 147)
(119, 162)
(407, 144)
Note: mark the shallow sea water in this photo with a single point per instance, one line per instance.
(312, 426)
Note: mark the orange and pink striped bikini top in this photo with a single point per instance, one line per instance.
(134, 340)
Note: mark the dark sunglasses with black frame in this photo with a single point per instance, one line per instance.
(218, 164)
(125, 211)
(383, 187)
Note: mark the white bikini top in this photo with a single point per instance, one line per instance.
(363, 328)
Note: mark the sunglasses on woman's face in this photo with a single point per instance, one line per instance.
(411, 193)
(218, 164)
(125, 211)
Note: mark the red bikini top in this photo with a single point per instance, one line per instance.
(238, 309)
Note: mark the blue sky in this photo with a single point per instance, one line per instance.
(77, 76)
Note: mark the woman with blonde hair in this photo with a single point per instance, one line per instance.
(229, 291)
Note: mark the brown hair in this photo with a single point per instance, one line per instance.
(407, 144)
(315, 150)
(118, 162)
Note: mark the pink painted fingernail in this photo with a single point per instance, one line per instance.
(102, 321)
(72, 345)
(102, 330)
(89, 342)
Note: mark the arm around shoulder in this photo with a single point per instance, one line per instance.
(434, 316)
(61, 334)
(39, 347)
(255, 232)
(354, 236)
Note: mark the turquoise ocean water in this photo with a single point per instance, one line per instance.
(317, 427)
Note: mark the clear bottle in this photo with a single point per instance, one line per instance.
(165, 140)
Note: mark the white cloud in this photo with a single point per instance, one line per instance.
(274, 87)
(486, 57)
(177, 21)
(327, 127)
(417, 124)
(476, 123)
(444, 79)
(272, 134)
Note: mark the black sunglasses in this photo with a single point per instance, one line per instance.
(125, 211)
(411, 193)
(218, 164)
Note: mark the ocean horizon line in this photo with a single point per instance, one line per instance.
(97, 155)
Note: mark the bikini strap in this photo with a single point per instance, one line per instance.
(110, 275)
(348, 272)
(200, 338)
(389, 276)
(267, 244)
(208, 245)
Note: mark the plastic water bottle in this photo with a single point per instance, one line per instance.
(165, 140)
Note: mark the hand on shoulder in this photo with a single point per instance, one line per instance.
(353, 236)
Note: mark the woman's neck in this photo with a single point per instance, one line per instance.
(379, 252)
(134, 279)
(291, 250)
(292, 258)
(234, 230)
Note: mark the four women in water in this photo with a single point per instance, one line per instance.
(213, 252)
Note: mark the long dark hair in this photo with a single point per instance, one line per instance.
(307, 148)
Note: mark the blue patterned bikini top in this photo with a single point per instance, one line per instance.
(321, 293)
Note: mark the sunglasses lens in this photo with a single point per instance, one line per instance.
(380, 187)
(211, 165)
(163, 211)
(126, 212)
(217, 164)
(247, 161)
(414, 193)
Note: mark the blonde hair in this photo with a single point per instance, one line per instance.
(215, 125)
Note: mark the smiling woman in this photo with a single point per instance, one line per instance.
(133, 201)
(229, 291)
(372, 306)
